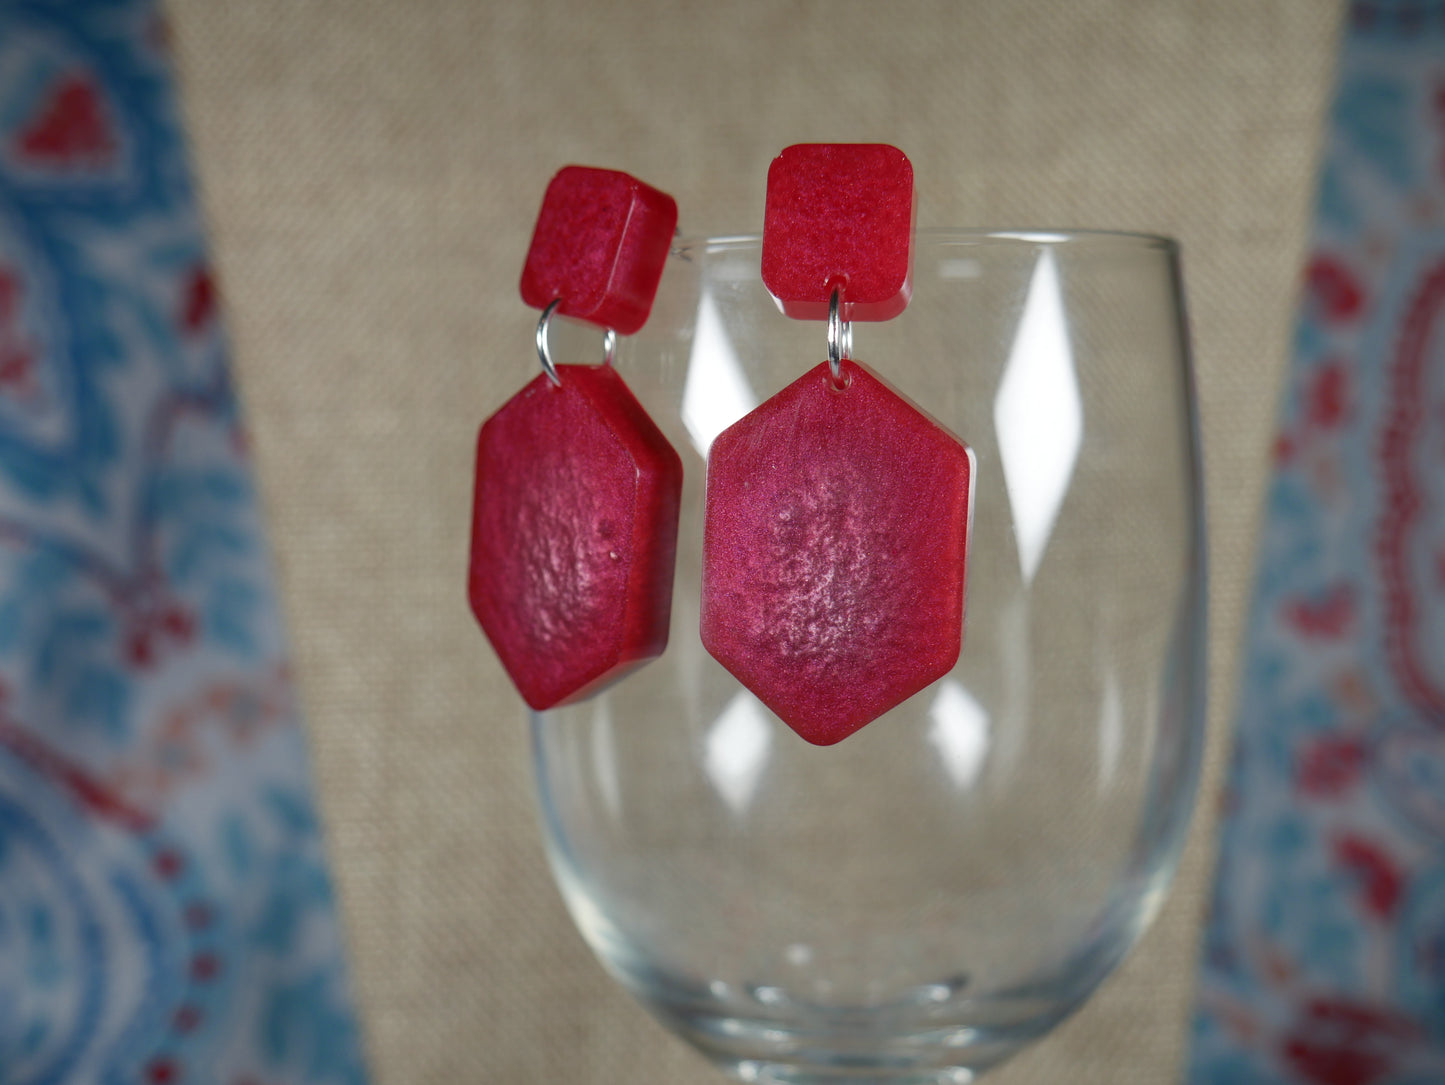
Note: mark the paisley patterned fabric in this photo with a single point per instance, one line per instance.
(1324, 959)
(165, 910)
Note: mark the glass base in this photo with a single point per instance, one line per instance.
(852, 1049)
(768, 1073)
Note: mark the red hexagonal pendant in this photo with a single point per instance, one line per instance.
(834, 551)
(574, 533)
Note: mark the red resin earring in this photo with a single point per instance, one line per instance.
(574, 523)
(837, 513)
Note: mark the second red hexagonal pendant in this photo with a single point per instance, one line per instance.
(834, 551)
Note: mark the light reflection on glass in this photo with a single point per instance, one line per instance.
(1041, 237)
(961, 267)
(604, 757)
(716, 393)
(960, 731)
(1111, 731)
(737, 751)
(1039, 416)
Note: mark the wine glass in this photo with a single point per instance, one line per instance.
(919, 901)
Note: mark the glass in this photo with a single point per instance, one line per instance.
(921, 900)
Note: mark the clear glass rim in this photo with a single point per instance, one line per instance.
(950, 235)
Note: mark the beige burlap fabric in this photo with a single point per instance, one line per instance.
(371, 171)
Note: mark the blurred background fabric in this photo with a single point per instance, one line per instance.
(371, 173)
(1323, 957)
(166, 915)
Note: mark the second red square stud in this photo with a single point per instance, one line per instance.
(839, 215)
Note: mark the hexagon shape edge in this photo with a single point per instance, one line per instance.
(834, 551)
(574, 535)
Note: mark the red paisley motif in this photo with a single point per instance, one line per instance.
(1337, 1041)
(71, 130)
(1404, 497)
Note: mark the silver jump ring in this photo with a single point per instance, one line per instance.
(544, 352)
(840, 335)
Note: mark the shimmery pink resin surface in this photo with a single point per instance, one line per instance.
(839, 214)
(574, 534)
(834, 551)
(600, 243)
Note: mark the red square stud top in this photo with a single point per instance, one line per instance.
(839, 214)
(600, 243)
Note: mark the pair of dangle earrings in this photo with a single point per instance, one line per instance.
(836, 514)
